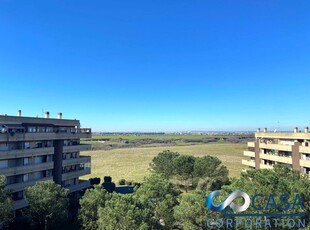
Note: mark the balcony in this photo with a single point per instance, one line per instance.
(293, 136)
(249, 153)
(74, 161)
(9, 137)
(76, 148)
(248, 163)
(251, 144)
(17, 153)
(263, 166)
(304, 149)
(18, 204)
(74, 174)
(26, 169)
(304, 163)
(287, 148)
(286, 160)
(83, 184)
(21, 186)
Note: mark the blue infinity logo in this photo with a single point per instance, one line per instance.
(228, 202)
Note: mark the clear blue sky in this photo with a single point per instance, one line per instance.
(158, 65)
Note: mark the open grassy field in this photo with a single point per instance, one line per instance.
(156, 137)
(133, 163)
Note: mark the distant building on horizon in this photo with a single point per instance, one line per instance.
(34, 149)
(271, 148)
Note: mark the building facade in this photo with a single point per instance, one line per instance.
(35, 149)
(271, 148)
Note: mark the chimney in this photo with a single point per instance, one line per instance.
(296, 130)
(47, 114)
(307, 130)
(265, 130)
(59, 115)
(19, 113)
(258, 130)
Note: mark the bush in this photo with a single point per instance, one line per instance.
(94, 181)
(128, 182)
(122, 182)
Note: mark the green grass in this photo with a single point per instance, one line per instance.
(133, 163)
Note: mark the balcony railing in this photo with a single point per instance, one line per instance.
(18, 204)
(287, 148)
(85, 130)
(285, 135)
(304, 163)
(21, 186)
(18, 153)
(249, 153)
(74, 161)
(304, 149)
(74, 174)
(26, 169)
(248, 163)
(9, 137)
(83, 184)
(76, 148)
(282, 159)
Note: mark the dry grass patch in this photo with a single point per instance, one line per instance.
(133, 163)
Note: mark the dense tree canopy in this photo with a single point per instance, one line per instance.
(92, 200)
(160, 196)
(210, 173)
(163, 163)
(6, 211)
(124, 212)
(192, 212)
(184, 168)
(281, 180)
(207, 172)
(48, 203)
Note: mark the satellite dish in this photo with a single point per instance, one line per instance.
(275, 131)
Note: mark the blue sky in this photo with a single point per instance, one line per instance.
(158, 65)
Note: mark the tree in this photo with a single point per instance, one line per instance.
(281, 180)
(92, 200)
(108, 184)
(160, 196)
(163, 163)
(6, 211)
(48, 203)
(192, 212)
(184, 168)
(212, 174)
(123, 212)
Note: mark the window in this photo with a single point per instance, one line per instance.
(18, 195)
(3, 164)
(25, 177)
(26, 161)
(38, 159)
(32, 129)
(4, 147)
(48, 173)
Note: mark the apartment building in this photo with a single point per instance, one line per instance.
(35, 149)
(271, 148)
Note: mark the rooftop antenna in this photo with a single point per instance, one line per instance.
(42, 112)
(278, 125)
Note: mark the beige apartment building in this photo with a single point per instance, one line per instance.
(270, 148)
(35, 149)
